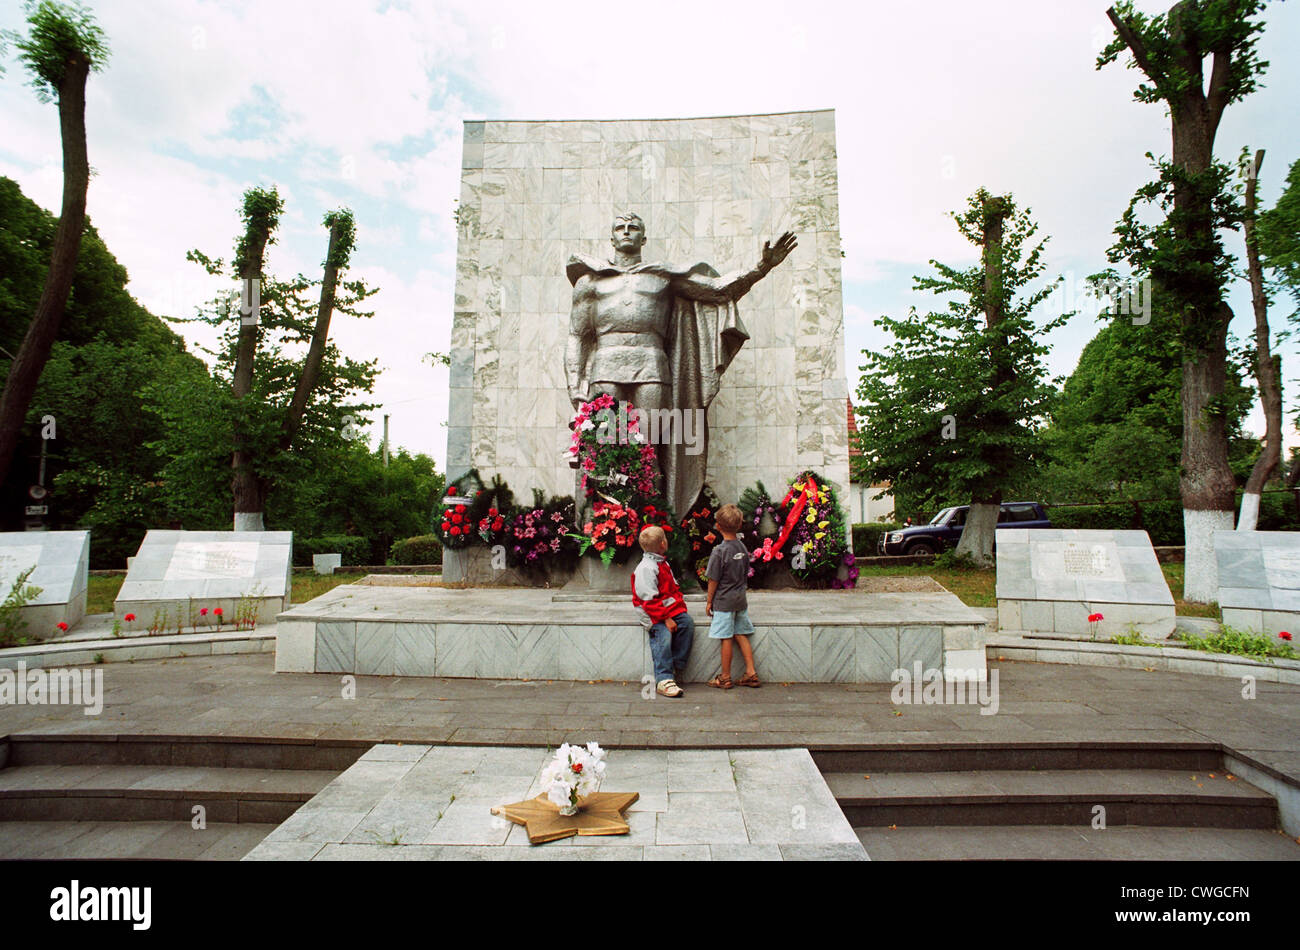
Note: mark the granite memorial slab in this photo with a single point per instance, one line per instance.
(61, 567)
(1051, 580)
(1259, 579)
(181, 572)
(434, 803)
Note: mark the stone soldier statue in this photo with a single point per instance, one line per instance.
(658, 336)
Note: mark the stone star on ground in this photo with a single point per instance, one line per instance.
(601, 814)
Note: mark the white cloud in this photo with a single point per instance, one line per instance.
(361, 105)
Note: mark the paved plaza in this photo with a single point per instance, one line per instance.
(1037, 703)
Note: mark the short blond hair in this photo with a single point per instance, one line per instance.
(730, 518)
(651, 537)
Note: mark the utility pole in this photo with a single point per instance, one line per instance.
(385, 440)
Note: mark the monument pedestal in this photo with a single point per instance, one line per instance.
(1259, 580)
(596, 577)
(62, 567)
(177, 573)
(800, 637)
(1051, 580)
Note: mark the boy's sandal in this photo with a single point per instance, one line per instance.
(722, 681)
(750, 679)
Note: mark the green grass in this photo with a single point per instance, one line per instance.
(1242, 643)
(975, 588)
(102, 591)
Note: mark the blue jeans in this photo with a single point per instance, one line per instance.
(669, 651)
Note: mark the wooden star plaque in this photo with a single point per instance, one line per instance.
(600, 814)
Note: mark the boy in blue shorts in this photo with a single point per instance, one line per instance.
(728, 572)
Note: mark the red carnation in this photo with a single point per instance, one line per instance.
(1284, 635)
(577, 766)
(129, 617)
(203, 611)
(61, 625)
(456, 519)
(451, 490)
(218, 611)
(460, 509)
(446, 525)
(1093, 618)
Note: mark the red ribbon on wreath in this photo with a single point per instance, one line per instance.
(808, 490)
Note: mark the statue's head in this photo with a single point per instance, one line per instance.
(628, 232)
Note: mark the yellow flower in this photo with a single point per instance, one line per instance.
(811, 517)
(822, 524)
(819, 535)
(807, 545)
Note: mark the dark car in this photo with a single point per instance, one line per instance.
(944, 530)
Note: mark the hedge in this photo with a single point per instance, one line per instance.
(355, 550)
(1163, 520)
(423, 549)
(866, 536)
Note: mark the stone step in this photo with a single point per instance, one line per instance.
(139, 840)
(154, 793)
(1055, 843)
(1157, 797)
(1193, 757)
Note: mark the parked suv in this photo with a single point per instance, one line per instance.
(944, 530)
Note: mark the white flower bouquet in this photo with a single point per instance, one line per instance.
(573, 774)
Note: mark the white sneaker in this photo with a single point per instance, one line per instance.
(669, 688)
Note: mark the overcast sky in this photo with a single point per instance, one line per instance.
(361, 104)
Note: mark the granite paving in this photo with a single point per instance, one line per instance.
(241, 695)
(766, 804)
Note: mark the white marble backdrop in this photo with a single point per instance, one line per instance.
(713, 189)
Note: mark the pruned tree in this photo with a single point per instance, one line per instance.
(64, 46)
(1183, 254)
(1268, 365)
(273, 395)
(951, 411)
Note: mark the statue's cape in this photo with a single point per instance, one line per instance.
(702, 340)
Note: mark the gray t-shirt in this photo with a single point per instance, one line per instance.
(729, 566)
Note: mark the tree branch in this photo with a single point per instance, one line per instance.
(1217, 98)
(1138, 48)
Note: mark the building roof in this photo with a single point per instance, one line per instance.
(854, 451)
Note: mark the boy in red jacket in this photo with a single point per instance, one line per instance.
(663, 612)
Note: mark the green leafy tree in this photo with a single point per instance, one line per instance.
(1278, 233)
(1115, 432)
(952, 411)
(97, 463)
(63, 47)
(1184, 254)
(281, 407)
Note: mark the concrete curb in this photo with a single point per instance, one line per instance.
(128, 649)
(1168, 659)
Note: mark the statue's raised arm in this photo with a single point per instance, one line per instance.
(733, 286)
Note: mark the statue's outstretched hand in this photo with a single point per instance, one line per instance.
(775, 255)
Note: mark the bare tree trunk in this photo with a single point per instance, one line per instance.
(316, 352)
(1207, 484)
(25, 371)
(1268, 368)
(248, 489)
(979, 532)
